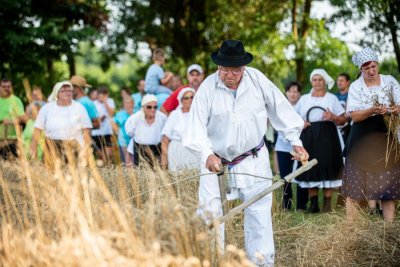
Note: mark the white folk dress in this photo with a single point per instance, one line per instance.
(329, 154)
(179, 157)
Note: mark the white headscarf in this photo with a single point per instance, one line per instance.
(145, 100)
(148, 98)
(182, 93)
(329, 82)
(365, 55)
(56, 89)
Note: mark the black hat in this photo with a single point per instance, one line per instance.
(231, 54)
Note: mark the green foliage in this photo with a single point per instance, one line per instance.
(36, 33)
(48, 40)
(191, 30)
(324, 51)
(383, 27)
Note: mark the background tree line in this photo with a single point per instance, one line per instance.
(49, 40)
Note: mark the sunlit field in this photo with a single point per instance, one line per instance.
(114, 216)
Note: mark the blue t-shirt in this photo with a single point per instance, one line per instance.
(120, 119)
(342, 98)
(137, 98)
(161, 99)
(153, 76)
(89, 106)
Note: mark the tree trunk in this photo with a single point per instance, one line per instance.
(301, 43)
(390, 17)
(71, 63)
(295, 32)
(50, 70)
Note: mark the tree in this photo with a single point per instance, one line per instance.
(383, 21)
(190, 30)
(36, 33)
(300, 30)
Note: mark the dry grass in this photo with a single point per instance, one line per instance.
(84, 216)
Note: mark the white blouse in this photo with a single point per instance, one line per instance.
(63, 122)
(329, 101)
(176, 125)
(142, 132)
(362, 97)
(105, 125)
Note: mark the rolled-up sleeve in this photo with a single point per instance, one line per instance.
(195, 137)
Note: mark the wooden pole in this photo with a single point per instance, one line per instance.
(222, 192)
(262, 194)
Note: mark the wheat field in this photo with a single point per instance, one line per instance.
(82, 215)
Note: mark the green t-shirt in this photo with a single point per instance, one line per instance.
(27, 135)
(10, 108)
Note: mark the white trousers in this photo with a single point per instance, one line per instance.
(259, 242)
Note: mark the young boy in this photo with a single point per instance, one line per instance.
(156, 79)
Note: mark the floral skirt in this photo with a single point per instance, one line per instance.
(367, 175)
(359, 184)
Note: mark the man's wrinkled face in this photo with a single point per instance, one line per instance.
(5, 89)
(231, 76)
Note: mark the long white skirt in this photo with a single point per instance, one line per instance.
(179, 157)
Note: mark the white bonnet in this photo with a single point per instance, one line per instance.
(148, 98)
(329, 82)
(183, 92)
(56, 88)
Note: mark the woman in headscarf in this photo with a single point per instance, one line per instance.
(372, 171)
(66, 125)
(174, 154)
(322, 113)
(145, 128)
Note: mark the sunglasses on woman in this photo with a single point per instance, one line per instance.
(187, 97)
(151, 107)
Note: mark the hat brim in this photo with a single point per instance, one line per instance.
(231, 62)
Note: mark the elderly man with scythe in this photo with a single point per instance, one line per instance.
(228, 120)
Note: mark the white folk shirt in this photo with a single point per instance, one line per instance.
(105, 125)
(328, 101)
(63, 122)
(361, 97)
(231, 126)
(142, 132)
(176, 125)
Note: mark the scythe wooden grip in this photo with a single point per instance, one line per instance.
(262, 194)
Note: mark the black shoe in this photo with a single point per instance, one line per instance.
(314, 205)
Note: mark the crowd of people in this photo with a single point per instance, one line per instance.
(222, 121)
